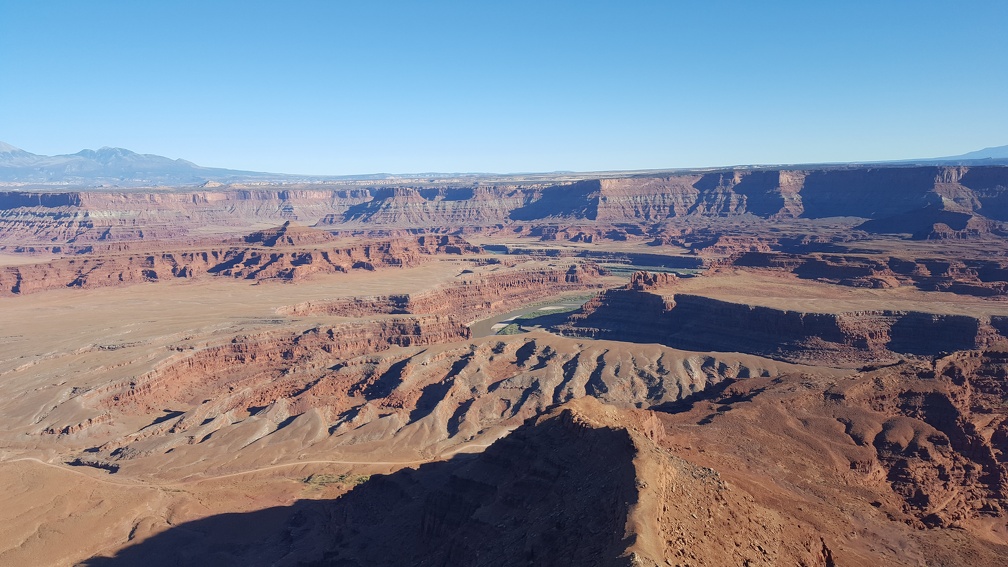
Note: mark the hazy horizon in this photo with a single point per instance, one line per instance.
(1000, 151)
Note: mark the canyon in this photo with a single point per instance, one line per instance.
(752, 366)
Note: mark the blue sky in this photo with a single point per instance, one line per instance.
(362, 87)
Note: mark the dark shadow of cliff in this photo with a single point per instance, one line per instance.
(554, 493)
(722, 396)
(578, 200)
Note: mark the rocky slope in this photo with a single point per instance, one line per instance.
(650, 311)
(580, 485)
(404, 386)
(895, 466)
(900, 465)
(969, 276)
(474, 297)
(277, 254)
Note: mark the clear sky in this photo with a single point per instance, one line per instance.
(328, 87)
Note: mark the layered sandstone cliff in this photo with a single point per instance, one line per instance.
(968, 276)
(263, 258)
(640, 313)
(474, 297)
(914, 199)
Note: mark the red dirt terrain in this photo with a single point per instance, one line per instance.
(738, 367)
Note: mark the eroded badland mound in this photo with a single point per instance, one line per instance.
(738, 367)
(579, 485)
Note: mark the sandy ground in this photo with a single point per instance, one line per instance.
(24, 259)
(51, 514)
(786, 291)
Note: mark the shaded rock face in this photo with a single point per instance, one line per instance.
(16, 200)
(931, 223)
(940, 436)
(944, 193)
(533, 498)
(580, 485)
(884, 191)
(579, 200)
(467, 300)
(397, 386)
(980, 277)
(693, 322)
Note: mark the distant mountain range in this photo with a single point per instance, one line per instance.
(111, 166)
(995, 153)
(120, 167)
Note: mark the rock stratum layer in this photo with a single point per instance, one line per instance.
(384, 387)
(648, 310)
(261, 256)
(970, 276)
(475, 297)
(924, 201)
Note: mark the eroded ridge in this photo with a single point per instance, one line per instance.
(651, 309)
(471, 298)
(272, 255)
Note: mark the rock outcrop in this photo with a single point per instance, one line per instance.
(262, 361)
(968, 276)
(948, 202)
(640, 313)
(395, 386)
(474, 297)
(896, 466)
(584, 484)
(938, 437)
(262, 258)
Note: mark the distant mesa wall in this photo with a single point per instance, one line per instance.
(642, 314)
(16, 199)
(863, 192)
(611, 256)
(933, 222)
(99, 216)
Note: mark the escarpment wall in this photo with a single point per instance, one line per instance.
(700, 323)
(478, 296)
(39, 219)
(247, 262)
(969, 276)
(865, 192)
(247, 360)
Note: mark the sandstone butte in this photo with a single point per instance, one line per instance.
(737, 367)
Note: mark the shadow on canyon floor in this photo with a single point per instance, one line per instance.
(548, 494)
